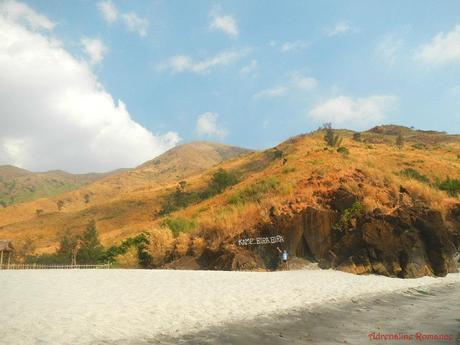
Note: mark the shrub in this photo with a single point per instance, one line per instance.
(220, 181)
(343, 150)
(451, 186)
(180, 198)
(344, 223)
(179, 225)
(414, 175)
(255, 192)
(331, 139)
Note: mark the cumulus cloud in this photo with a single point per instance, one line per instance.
(297, 45)
(359, 111)
(131, 20)
(225, 23)
(207, 125)
(442, 49)
(339, 28)
(16, 11)
(55, 114)
(273, 92)
(94, 48)
(108, 10)
(184, 63)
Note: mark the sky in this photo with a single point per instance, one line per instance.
(99, 85)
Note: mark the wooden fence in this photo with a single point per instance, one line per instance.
(52, 267)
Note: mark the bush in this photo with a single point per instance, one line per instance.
(255, 192)
(451, 186)
(343, 150)
(331, 139)
(179, 224)
(414, 175)
(344, 223)
(180, 198)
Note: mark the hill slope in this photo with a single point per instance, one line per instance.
(369, 207)
(19, 185)
(110, 196)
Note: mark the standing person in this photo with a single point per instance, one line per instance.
(284, 257)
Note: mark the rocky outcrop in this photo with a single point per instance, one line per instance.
(411, 241)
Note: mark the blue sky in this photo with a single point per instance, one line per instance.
(253, 73)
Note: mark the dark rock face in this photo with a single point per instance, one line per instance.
(411, 242)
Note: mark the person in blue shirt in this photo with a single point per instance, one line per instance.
(284, 257)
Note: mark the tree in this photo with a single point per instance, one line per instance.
(87, 198)
(400, 141)
(39, 212)
(221, 180)
(60, 204)
(91, 250)
(331, 139)
(67, 244)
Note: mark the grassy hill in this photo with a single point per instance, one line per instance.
(19, 185)
(368, 202)
(111, 199)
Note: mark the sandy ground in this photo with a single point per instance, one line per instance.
(149, 306)
(433, 310)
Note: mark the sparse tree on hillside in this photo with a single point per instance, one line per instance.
(330, 137)
(400, 141)
(39, 212)
(60, 204)
(87, 198)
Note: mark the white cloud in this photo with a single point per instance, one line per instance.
(94, 48)
(443, 48)
(249, 68)
(108, 10)
(20, 12)
(134, 23)
(302, 82)
(183, 63)
(297, 81)
(131, 20)
(360, 111)
(225, 23)
(55, 114)
(273, 92)
(339, 28)
(297, 45)
(389, 47)
(207, 125)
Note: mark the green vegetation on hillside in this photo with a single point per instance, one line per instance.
(181, 198)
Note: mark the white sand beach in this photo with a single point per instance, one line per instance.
(104, 306)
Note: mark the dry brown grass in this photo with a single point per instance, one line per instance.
(123, 208)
